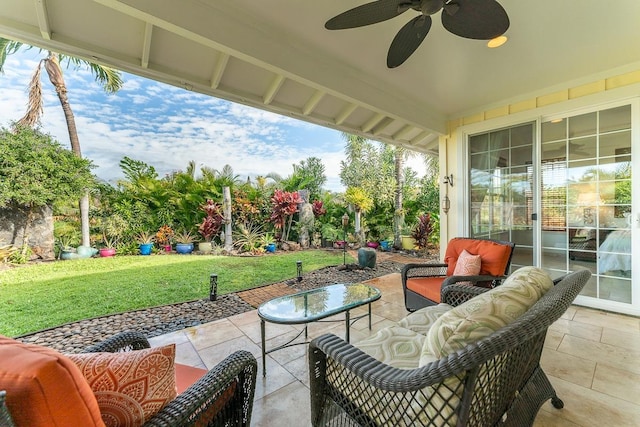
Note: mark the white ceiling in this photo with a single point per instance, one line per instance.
(276, 55)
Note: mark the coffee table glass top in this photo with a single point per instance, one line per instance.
(315, 304)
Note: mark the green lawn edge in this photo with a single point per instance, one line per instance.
(50, 294)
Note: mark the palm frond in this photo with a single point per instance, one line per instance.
(7, 47)
(109, 78)
(34, 106)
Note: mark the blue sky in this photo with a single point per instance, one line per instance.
(166, 126)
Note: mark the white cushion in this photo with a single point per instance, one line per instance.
(487, 312)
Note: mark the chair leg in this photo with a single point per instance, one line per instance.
(557, 402)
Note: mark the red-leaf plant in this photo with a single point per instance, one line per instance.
(284, 204)
(318, 208)
(423, 230)
(212, 223)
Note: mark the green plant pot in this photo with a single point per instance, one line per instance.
(204, 247)
(86, 251)
(408, 243)
(68, 254)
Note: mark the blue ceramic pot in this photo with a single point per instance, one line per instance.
(145, 248)
(184, 248)
(271, 247)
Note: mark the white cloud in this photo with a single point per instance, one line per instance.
(167, 127)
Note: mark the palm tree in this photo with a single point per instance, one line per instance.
(109, 78)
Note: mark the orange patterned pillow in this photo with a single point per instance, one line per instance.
(467, 264)
(131, 387)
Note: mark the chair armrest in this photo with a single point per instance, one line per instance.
(124, 341)
(197, 404)
(374, 372)
(423, 270)
(453, 294)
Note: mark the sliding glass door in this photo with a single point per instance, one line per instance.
(586, 217)
(563, 196)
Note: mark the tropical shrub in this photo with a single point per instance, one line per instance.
(318, 208)
(422, 231)
(249, 238)
(212, 222)
(284, 205)
(164, 235)
(35, 170)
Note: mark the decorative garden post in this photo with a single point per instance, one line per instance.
(345, 223)
(226, 207)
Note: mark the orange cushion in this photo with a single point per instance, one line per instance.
(45, 388)
(186, 376)
(428, 287)
(495, 256)
(131, 387)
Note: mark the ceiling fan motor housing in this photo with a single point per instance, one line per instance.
(429, 7)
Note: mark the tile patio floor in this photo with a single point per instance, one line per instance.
(591, 357)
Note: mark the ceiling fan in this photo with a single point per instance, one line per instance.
(472, 19)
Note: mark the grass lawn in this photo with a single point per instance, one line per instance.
(44, 295)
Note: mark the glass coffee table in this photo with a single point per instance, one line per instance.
(313, 306)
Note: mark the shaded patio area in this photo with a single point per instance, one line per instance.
(590, 357)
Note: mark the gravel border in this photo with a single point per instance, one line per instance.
(73, 337)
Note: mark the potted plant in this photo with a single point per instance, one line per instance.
(211, 224)
(385, 236)
(373, 238)
(145, 240)
(164, 236)
(268, 242)
(329, 234)
(65, 250)
(184, 242)
(109, 246)
(407, 240)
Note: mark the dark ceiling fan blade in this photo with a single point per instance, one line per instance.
(475, 19)
(407, 40)
(369, 13)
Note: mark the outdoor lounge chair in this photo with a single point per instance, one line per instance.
(422, 283)
(494, 380)
(222, 397)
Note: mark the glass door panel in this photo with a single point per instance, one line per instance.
(501, 177)
(585, 176)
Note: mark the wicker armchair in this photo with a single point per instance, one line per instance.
(422, 283)
(198, 405)
(496, 380)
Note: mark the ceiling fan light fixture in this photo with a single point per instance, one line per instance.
(497, 41)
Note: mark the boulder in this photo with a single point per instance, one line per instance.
(367, 257)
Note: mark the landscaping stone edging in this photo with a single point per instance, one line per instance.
(74, 337)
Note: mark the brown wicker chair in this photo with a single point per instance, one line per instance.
(497, 380)
(198, 405)
(422, 283)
